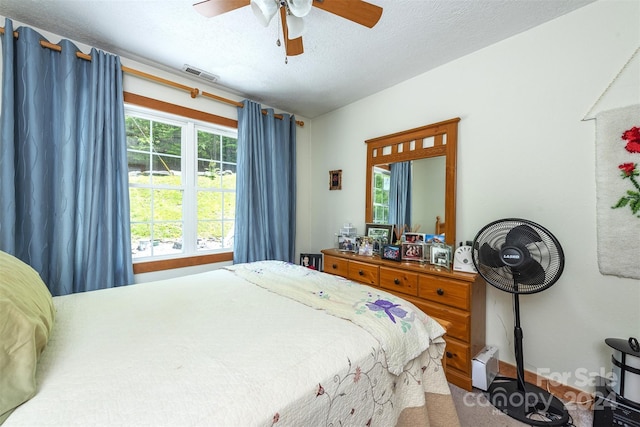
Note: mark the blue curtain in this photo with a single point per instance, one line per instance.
(64, 192)
(400, 194)
(266, 186)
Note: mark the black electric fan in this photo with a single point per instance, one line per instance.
(520, 257)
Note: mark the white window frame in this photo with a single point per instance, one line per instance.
(189, 158)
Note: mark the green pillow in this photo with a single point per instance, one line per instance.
(26, 319)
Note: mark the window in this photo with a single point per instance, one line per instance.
(381, 181)
(182, 185)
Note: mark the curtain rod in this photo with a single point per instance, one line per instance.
(193, 91)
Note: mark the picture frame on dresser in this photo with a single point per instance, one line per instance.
(365, 247)
(440, 255)
(413, 237)
(347, 243)
(412, 251)
(391, 252)
(382, 232)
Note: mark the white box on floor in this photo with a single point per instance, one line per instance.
(484, 367)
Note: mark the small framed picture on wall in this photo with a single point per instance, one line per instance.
(335, 180)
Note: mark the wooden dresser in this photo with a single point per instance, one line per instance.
(458, 298)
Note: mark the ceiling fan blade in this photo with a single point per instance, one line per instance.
(293, 47)
(211, 8)
(357, 11)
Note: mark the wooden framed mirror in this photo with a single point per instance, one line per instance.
(429, 148)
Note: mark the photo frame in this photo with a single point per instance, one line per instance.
(412, 251)
(392, 252)
(335, 180)
(440, 255)
(434, 238)
(347, 243)
(381, 232)
(365, 246)
(414, 237)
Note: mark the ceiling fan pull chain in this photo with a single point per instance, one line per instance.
(278, 43)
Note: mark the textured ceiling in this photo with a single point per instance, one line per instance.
(342, 62)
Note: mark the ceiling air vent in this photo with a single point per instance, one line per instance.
(199, 73)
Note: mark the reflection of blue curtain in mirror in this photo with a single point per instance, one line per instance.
(400, 194)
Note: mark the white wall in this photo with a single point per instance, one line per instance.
(523, 152)
(166, 93)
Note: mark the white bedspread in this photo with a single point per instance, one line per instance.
(213, 349)
(403, 330)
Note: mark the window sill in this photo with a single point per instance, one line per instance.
(168, 264)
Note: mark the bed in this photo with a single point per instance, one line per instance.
(257, 344)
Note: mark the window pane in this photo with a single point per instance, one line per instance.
(209, 235)
(229, 149)
(208, 146)
(228, 229)
(229, 206)
(167, 138)
(164, 238)
(229, 177)
(209, 205)
(167, 231)
(167, 205)
(166, 170)
(215, 235)
(140, 240)
(209, 174)
(138, 168)
(138, 132)
(140, 202)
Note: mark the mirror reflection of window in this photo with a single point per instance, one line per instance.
(381, 179)
(427, 193)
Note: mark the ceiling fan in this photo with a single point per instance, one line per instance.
(292, 12)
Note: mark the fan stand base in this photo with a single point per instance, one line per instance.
(534, 406)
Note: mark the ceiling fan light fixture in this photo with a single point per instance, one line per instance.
(264, 10)
(300, 8)
(295, 26)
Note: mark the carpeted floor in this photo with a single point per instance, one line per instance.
(474, 410)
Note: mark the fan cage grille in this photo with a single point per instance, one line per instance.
(547, 252)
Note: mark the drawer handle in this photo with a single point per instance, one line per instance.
(360, 272)
(449, 355)
(334, 266)
(440, 291)
(396, 281)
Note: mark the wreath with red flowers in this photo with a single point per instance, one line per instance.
(630, 171)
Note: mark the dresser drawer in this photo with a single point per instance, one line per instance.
(444, 291)
(363, 273)
(458, 356)
(399, 280)
(460, 320)
(335, 265)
